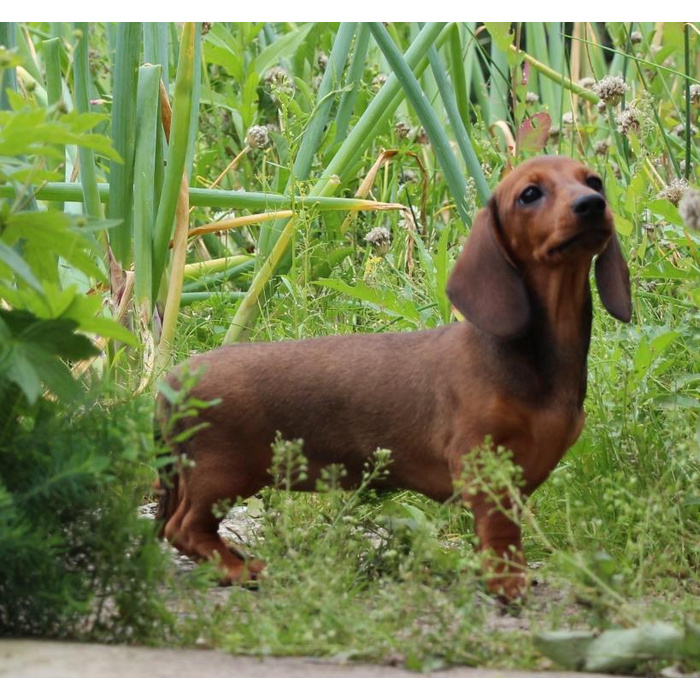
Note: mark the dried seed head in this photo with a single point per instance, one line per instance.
(674, 191)
(695, 95)
(276, 75)
(601, 148)
(567, 118)
(554, 133)
(402, 130)
(206, 27)
(408, 175)
(379, 238)
(611, 89)
(279, 81)
(378, 80)
(279, 84)
(587, 82)
(679, 130)
(316, 82)
(628, 120)
(531, 98)
(689, 209)
(636, 37)
(258, 137)
(421, 136)
(322, 60)
(602, 107)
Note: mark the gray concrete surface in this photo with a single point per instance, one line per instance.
(43, 659)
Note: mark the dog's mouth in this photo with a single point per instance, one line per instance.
(590, 238)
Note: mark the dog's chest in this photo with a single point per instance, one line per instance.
(552, 432)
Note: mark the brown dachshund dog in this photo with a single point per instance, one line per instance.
(514, 370)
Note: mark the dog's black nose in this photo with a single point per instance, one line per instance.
(589, 206)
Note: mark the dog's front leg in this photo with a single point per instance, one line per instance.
(499, 535)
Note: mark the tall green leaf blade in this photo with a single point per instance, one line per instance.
(177, 152)
(81, 79)
(448, 163)
(121, 175)
(147, 129)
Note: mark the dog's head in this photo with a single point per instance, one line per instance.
(549, 214)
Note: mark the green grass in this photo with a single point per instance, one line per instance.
(614, 533)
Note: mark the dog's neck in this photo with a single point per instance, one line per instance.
(561, 328)
(551, 356)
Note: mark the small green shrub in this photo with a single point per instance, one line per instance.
(77, 560)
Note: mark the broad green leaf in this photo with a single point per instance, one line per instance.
(533, 132)
(623, 226)
(22, 372)
(567, 647)
(665, 209)
(501, 34)
(283, 47)
(382, 298)
(35, 350)
(15, 262)
(615, 650)
(52, 232)
(691, 640)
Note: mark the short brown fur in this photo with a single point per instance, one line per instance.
(514, 370)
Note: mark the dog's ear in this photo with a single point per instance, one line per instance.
(612, 277)
(484, 285)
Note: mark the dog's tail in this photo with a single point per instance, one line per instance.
(167, 483)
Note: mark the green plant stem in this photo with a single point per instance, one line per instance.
(8, 77)
(459, 79)
(463, 141)
(177, 152)
(357, 66)
(349, 152)
(202, 197)
(147, 128)
(81, 78)
(317, 124)
(558, 78)
(686, 46)
(54, 83)
(453, 173)
(379, 109)
(121, 175)
(192, 297)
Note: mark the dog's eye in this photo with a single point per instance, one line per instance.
(530, 194)
(595, 183)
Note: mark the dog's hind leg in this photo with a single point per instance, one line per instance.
(194, 528)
